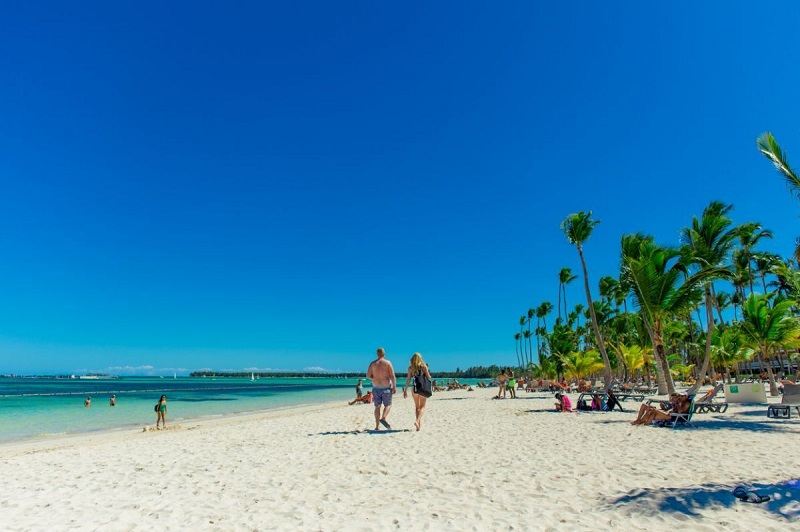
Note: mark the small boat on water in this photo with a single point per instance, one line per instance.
(252, 376)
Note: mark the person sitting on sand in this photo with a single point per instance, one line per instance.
(564, 384)
(597, 402)
(648, 413)
(364, 399)
(563, 404)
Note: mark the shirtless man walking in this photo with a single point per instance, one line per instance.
(384, 385)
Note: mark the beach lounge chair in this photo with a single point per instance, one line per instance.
(680, 420)
(791, 398)
(707, 404)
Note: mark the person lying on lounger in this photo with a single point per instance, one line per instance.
(648, 413)
(366, 399)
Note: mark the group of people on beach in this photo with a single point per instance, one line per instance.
(384, 386)
(160, 408)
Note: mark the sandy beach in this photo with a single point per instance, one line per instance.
(478, 464)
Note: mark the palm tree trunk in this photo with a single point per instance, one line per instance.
(707, 358)
(773, 387)
(560, 286)
(716, 304)
(664, 379)
(600, 345)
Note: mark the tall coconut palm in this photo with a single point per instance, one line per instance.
(531, 314)
(766, 328)
(522, 321)
(709, 242)
(787, 280)
(578, 228)
(749, 235)
(765, 263)
(722, 300)
(543, 310)
(517, 337)
(527, 338)
(565, 277)
(655, 274)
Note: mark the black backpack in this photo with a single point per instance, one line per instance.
(156, 408)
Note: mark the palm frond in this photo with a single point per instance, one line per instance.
(770, 148)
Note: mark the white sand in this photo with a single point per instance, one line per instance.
(478, 464)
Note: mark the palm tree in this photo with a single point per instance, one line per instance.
(565, 277)
(765, 263)
(578, 228)
(709, 242)
(787, 280)
(543, 310)
(633, 357)
(579, 365)
(545, 369)
(749, 235)
(527, 337)
(522, 331)
(655, 274)
(531, 314)
(608, 287)
(517, 342)
(766, 328)
(728, 349)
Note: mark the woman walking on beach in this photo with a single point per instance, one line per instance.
(417, 367)
(161, 408)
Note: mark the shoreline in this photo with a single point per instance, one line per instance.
(477, 464)
(136, 428)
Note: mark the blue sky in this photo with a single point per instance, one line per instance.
(192, 185)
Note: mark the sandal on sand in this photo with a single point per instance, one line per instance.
(385, 424)
(749, 496)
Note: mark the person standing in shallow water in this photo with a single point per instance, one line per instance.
(359, 389)
(113, 400)
(162, 411)
(417, 366)
(384, 385)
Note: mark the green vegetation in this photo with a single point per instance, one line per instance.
(478, 372)
(699, 309)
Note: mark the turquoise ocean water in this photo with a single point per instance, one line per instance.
(44, 407)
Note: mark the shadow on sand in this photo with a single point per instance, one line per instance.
(784, 503)
(451, 398)
(365, 431)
